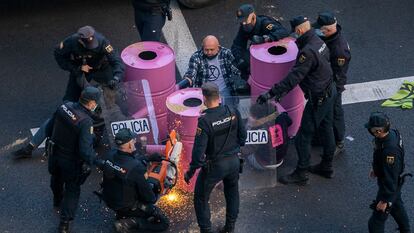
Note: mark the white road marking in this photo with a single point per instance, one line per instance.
(372, 91)
(179, 38)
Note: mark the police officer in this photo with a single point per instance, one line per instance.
(89, 56)
(330, 32)
(313, 73)
(220, 133)
(387, 166)
(150, 17)
(257, 29)
(71, 152)
(126, 190)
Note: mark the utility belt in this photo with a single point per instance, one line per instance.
(52, 149)
(210, 162)
(317, 99)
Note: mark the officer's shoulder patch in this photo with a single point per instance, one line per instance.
(109, 48)
(341, 61)
(61, 45)
(269, 27)
(91, 130)
(390, 159)
(199, 130)
(302, 58)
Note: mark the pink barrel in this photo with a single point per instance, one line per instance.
(270, 63)
(184, 108)
(149, 79)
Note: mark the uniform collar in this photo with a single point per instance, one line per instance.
(132, 155)
(212, 109)
(305, 38)
(335, 36)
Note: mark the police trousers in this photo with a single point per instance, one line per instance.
(65, 185)
(226, 170)
(376, 223)
(156, 221)
(339, 119)
(316, 116)
(149, 24)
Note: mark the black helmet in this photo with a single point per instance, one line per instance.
(378, 119)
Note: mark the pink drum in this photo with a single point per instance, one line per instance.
(270, 63)
(184, 108)
(149, 79)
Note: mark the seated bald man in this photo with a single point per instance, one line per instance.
(213, 63)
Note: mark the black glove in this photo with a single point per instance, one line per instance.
(263, 98)
(113, 82)
(188, 175)
(258, 39)
(267, 38)
(155, 157)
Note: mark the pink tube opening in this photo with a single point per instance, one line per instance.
(147, 55)
(277, 50)
(192, 102)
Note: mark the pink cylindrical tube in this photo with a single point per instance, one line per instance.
(149, 79)
(270, 64)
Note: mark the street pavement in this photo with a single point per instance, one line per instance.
(380, 36)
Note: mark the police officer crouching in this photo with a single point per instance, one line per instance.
(70, 151)
(220, 134)
(126, 190)
(387, 166)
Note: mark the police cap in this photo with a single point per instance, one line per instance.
(377, 119)
(244, 11)
(324, 19)
(124, 135)
(87, 35)
(210, 89)
(90, 93)
(298, 20)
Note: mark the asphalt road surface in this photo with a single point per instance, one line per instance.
(380, 34)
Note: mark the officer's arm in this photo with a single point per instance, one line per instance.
(144, 190)
(303, 65)
(340, 68)
(392, 168)
(62, 55)
(192, 70)
(200, 145)
(239, 44)
(241, 129)
(114, 60)
(275, 31)
(87, 153)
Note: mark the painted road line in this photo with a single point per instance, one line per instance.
(372, 91)
(179, 38)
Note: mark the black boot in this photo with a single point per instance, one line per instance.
(228, 228)
(63, 227)
(124, 225)
(298, 177)
(24, 152)
(323, 169)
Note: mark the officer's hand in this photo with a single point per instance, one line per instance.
(187, 176)
(263, 98)
(257, 39)
(113, 82)
(86, 168)
(382, 206)
(155, 157)
(86, 68)
(267, 38)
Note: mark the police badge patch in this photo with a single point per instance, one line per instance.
(302, 58)
(109, 48)
(390, 159)
(199, 130)
(269, 27)
(341, 61)
(91, 130)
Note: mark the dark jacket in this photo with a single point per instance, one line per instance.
(212, 130)
(265, 25)
(340, 56)
(388, 165)
(312, 70)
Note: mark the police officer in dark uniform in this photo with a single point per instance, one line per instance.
(126, 190)
(257, 29)
(89, 56)
(71, 152)
(313, 73)
(387, 166)
(220, 134)
(330, 32)
(150, 17)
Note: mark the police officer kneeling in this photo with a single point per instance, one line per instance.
(220, 134)
(71, 153)
(388, 166)
(126, 190)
